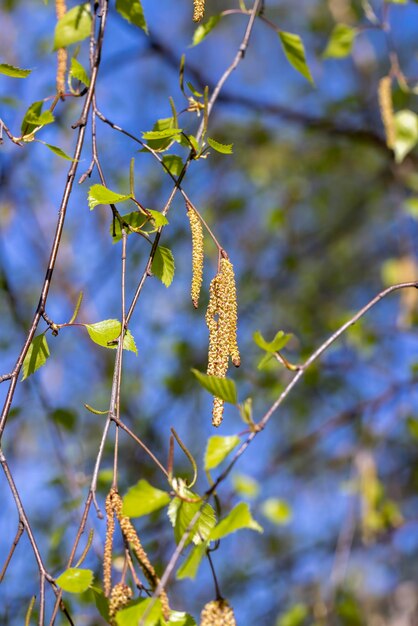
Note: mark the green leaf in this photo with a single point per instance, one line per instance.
(223, 148)
(295, 616)
(108, 331)
(75, 580)
(173, 163)
(143, 499)
(245, 485)
(163, 265)
(406, 127)
(246, 411)
(57, 151)
(34, 118)
(239, 517)
(181, 514)
(223, 388)
(163, 124)
(102, 603)
(341, 42)
(167, 133)
(218, 449)
(203, 30)
(66, 418)
(98, 194)
(277, 511)
(136, 610)
(190, 566)
(75, 25)
(78, 72)
(132, 11)
(279, 341)
(135, 219)
(178, 618)
(13, 71)
(36, 356)
(295, 53)
(158, 218)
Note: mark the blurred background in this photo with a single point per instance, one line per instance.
(317, 218)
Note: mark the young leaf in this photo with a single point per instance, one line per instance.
(78, 72)
(132, 11)
(239, 517)
(158, 218)
(75, 25)
(279, 341)
(181, 514)
(203, 30)
(98, 194)
(34, 118)
(223, 148)
(167, 133)
(162, 144)
(277, 511)
(173, 163)
(75, 580)
(163, 265)
(143, 499)
(57, 151)
(406, 124)
(136, 610)
(36, 356)
(108, 331)
(218, 449)
(341, 42)
(245, 485)
(189, 567)
(135, 219)
(13, 71)
(223, 388)
(295, 53)
(178, 618)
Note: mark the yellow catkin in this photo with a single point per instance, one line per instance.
(221, 319)
(119, 598)
(107, 557)
(198, 10)
(197, 254)
(60, 9)
(386, 110)
(217, 613)
(131, 536)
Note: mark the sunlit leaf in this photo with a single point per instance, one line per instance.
(78, 72)
(223, 148)
(181, 513)
(279, 341)
(34, 117)
(108, 331)
(178, 618)
(204, 29)
(406, 132)
(13, 71)
(240, 517)
(277, 511)
(132, 11)
(295, 53)
(58, 151)
(168, 133)
(190, 566)
(341, 42)
(143, 499)
(223, 388)
(75, 25)
(98, 194)
(134, 613)
(218, 449)
(36, 356)
(135, 220)
(173, 163)
(75, 580)
(163, 266)
(245, 485)
(158, 218)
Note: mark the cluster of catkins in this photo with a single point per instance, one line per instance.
(120, 594)
(221, 315)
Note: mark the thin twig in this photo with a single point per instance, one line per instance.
(20, 529)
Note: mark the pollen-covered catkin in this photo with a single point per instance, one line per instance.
(60, 9)
(107, 556)
(198, 10)
(386, 110)
(217, 613)
(119, 597)
(197, 254)
(232, 310)
(131, 536)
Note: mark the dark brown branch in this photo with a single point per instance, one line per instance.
(20, 529)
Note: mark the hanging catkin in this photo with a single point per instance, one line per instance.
(386, 110)
(119, 598)
(107, 557)
(217, 613)
(60, 9)
(197, 253)
(130, 534)
(221, 319)
(198, 10)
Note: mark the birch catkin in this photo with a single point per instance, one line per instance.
(119, 598)
(198, 10)
(386, 110)
(60, 9)
(217, 613)
(107, 557)
(197, 253)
